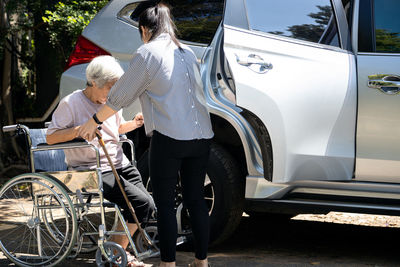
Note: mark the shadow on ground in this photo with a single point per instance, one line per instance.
(270, 242)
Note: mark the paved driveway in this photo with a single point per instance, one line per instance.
(339, 240)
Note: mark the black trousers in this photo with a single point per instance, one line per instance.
(168, 157)
(131, 181)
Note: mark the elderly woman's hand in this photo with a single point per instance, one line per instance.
(88, 130)
(139, 120)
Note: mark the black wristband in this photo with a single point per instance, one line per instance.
(96, 119)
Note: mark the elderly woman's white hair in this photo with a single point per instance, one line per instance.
(103, 69)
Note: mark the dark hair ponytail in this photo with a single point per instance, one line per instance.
(157, 18)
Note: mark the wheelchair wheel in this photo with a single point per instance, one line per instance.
(115, 253)
(38, 225)
(141, 244)
(88, 227)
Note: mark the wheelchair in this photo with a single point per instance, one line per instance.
(52, 214)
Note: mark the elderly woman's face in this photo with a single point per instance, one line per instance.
(101, 94)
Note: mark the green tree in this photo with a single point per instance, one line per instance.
(387, 41)
(312, 32)
(197, 20)
(66, 22)
(322, 17)
(36, 38)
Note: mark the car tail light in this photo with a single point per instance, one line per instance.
(84, 52)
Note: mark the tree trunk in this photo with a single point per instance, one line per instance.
(6, 94)
(6, 85)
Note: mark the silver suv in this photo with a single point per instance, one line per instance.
(303, 97)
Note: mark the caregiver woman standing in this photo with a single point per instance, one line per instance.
(164, 75)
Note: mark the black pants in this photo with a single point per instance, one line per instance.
(137, 194)
(168, 157)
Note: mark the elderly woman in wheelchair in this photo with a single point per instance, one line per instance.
(59, 202)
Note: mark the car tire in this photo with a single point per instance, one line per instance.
(228, 187)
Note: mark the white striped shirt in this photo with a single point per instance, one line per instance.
(167, 81)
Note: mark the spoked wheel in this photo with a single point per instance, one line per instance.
(87, 233)
(29, 236)
(115, 255)
(141, 244)
(88, 227)
(88, 222)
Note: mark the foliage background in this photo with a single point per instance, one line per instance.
(36, 38)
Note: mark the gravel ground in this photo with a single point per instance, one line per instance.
(352, 218)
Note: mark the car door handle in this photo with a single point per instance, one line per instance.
(252, 60)
(388, 84)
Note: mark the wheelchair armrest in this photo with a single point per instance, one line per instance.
(124, 139)
(76, 143)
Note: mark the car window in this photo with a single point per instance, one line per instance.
(311, 20)
(387, 26)
(196, 20)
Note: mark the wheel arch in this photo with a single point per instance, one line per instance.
(247, 140)
(226, 136)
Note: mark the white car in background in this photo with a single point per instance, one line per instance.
(303, 97)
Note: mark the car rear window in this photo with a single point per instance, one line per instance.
(196, 20)
(311, 20)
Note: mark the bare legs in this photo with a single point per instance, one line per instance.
(123, 239)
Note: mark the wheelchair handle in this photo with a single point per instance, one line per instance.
(10, 128)
(16, 127)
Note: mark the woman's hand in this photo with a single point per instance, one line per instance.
(135, 123)
(88, 130)
(138, 120)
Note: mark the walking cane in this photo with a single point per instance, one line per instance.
(141, 231)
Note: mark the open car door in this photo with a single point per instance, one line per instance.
(292, 68)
